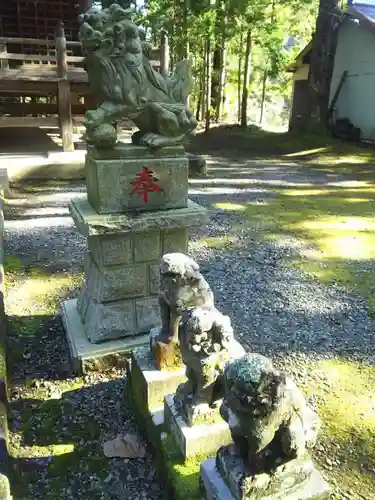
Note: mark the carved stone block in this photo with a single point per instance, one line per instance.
(147, 246)
(175, 240)
(147, 313)
(106, 284)
(141, 183)
(111, 250)
(154, 278)
(109, 321)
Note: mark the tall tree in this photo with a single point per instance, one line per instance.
(321, 63)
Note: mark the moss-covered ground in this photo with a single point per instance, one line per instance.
(56, 432)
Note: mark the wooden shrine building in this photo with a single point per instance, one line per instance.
(42, 80)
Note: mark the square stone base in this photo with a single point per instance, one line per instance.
(200, 439)
(296, 479)
(213, 486)
(150, 383)
(81, 349)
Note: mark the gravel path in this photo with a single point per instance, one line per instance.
(275, 310)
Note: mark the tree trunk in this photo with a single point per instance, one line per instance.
(164, 53)
(221, 89)
(186, 28)
(202, 87)
(208, 85)
(216, 65)
(239, 76)
(246, 79)
(321, 64)
(264, 85)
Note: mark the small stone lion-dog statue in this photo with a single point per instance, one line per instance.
(272, 428)
(182, 286)
(207, 344)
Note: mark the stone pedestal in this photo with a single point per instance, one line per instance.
(199, 439)
(149, 385)
(129, 224)
(226, 479)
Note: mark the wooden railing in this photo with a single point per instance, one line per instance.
(59, 45)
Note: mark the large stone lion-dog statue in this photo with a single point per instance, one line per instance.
(121, 76)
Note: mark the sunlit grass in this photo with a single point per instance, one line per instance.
(33, 292)
(346, 404)
(231, 206)
(217, 242)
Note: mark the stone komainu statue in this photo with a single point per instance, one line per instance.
(267, 414)
(207, 344)
(121, 76)
(182, 286)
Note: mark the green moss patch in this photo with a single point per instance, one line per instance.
(183, 475)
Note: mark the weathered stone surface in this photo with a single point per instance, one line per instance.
(147, 313)
(197, 166)
(111, 250)
(83, 302)
(212, 484)
(182, 286)
(82, 351)
(111, 188)
(127, 86)
(147, 246)
(267, 413)
(154, 278)
(117, 282)
(175, 240)
(150, 383)
(295, 480)
(200, 439)
(123, 150)
(108, 321)
(90, 223)
(87, 262)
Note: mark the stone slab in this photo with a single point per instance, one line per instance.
(212, 484)
(153, 384)
(117, 185)
(200, 439)
(81, 349)
(295, 480)
(125, 150)
(90, 223)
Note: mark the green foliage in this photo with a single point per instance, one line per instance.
(190, 23)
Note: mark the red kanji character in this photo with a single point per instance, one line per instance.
(144, 184)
